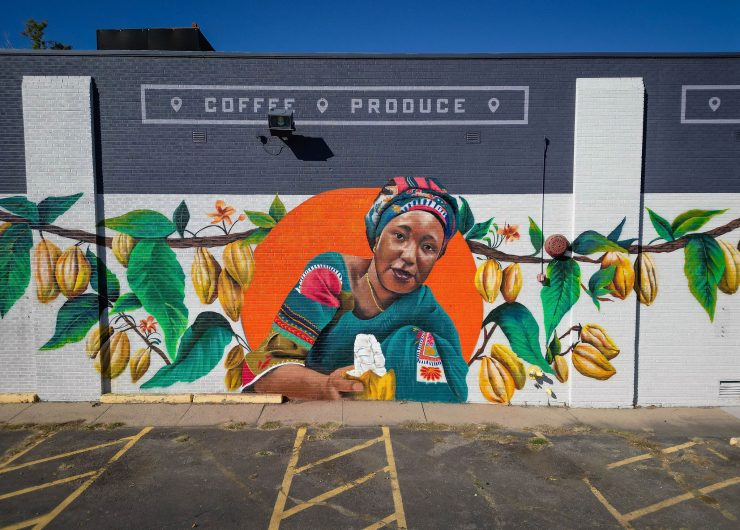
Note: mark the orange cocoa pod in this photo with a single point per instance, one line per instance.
(113, 359)
(560, 366)
(591, 362)
(45, 257)
(496, 383)
(488, 280)
(139, 363)
(624, 274)
(512, 282)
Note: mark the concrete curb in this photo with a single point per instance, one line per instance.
(186, 399)
(18, 397)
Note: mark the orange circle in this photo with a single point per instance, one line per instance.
(335, 221)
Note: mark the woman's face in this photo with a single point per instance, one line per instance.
(408, 247)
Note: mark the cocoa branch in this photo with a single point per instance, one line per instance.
(487, 334)
(476, 247)
(131, 322)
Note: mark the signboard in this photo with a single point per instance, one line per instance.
(710, 104)
(336, 105)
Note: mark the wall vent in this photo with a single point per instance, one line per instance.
(472, 137)
(199, 137)
(729, 389)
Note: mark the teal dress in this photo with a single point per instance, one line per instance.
(315, 327)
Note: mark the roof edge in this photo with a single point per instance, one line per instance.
(351, 55)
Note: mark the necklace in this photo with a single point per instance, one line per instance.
(372, 293)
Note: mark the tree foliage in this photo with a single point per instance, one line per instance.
(34, 30)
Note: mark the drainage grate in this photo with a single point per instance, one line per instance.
(199, 137)
(472, 137)
(729, 389)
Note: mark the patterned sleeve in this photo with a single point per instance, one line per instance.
(310, 306)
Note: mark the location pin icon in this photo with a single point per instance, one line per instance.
(493, 104)
(714, 103)
(322, 105)
(176, 103)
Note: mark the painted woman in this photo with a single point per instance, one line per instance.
(341, 300)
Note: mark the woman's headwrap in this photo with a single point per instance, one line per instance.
(406, 194)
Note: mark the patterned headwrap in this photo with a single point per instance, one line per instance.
(406, 194)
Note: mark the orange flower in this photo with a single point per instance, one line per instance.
(148, 325)
(510, 232)
(222, 213)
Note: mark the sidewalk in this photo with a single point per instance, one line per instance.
(710, 421)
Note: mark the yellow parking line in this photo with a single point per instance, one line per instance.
(23, 524)
(332, 493)
(647, 456)
(679, 498)
(45, 485)
(395, 486)
(26, 450)
(723, 457)
(611, 509)
(342, 453)
(277, 512)
(382, 522)
(49, 517)
(56, 457)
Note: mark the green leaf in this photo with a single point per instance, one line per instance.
(156, 278)
(614, 234)
(74, 320)
(554, 348)
(692, 220)
(598, 282)
(15, 265)
(561, 293)
(704, 265)
(258, 236)
(127, 302)
(522, 331)
(181, 218)
(277, 209)
(201, 348)
(662, 226)
(625, 243)
(260, 219)
(479, 230)
(535, 236)
(22, 207)
(112, 287)
(465, 214)
(591, 241)
(142, 224)
(52, 207)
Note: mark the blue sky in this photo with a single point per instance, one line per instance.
(401, 26)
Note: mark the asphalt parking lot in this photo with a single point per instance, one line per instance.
(326, 476)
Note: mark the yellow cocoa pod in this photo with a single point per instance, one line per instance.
(731, 278)
(646, 279)
(512, 282)
(122, 246)
(590, 362)
(560, 366)
(488, 280)
(513, 364)
(230, 295)
(72, 272)
(139, 363)
(45, 257)
(112, 360)
(624, 275)
(597, 337)
(496, 383)
(97, 338)
(233, 378)
(204, 273)
(239, 262)
(234, 358)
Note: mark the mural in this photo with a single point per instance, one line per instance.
(387, 306)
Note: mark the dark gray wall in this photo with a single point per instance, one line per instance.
(139, 157)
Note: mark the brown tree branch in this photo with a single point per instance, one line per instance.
(132, 323)
(475, 246)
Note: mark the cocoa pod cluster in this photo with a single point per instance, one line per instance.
(234, 363)
(591, 356)
(490, 280)
(55, 271)
(211, 281)
(111, 351)
(500, 374)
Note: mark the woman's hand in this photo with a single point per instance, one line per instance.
(299, 382)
